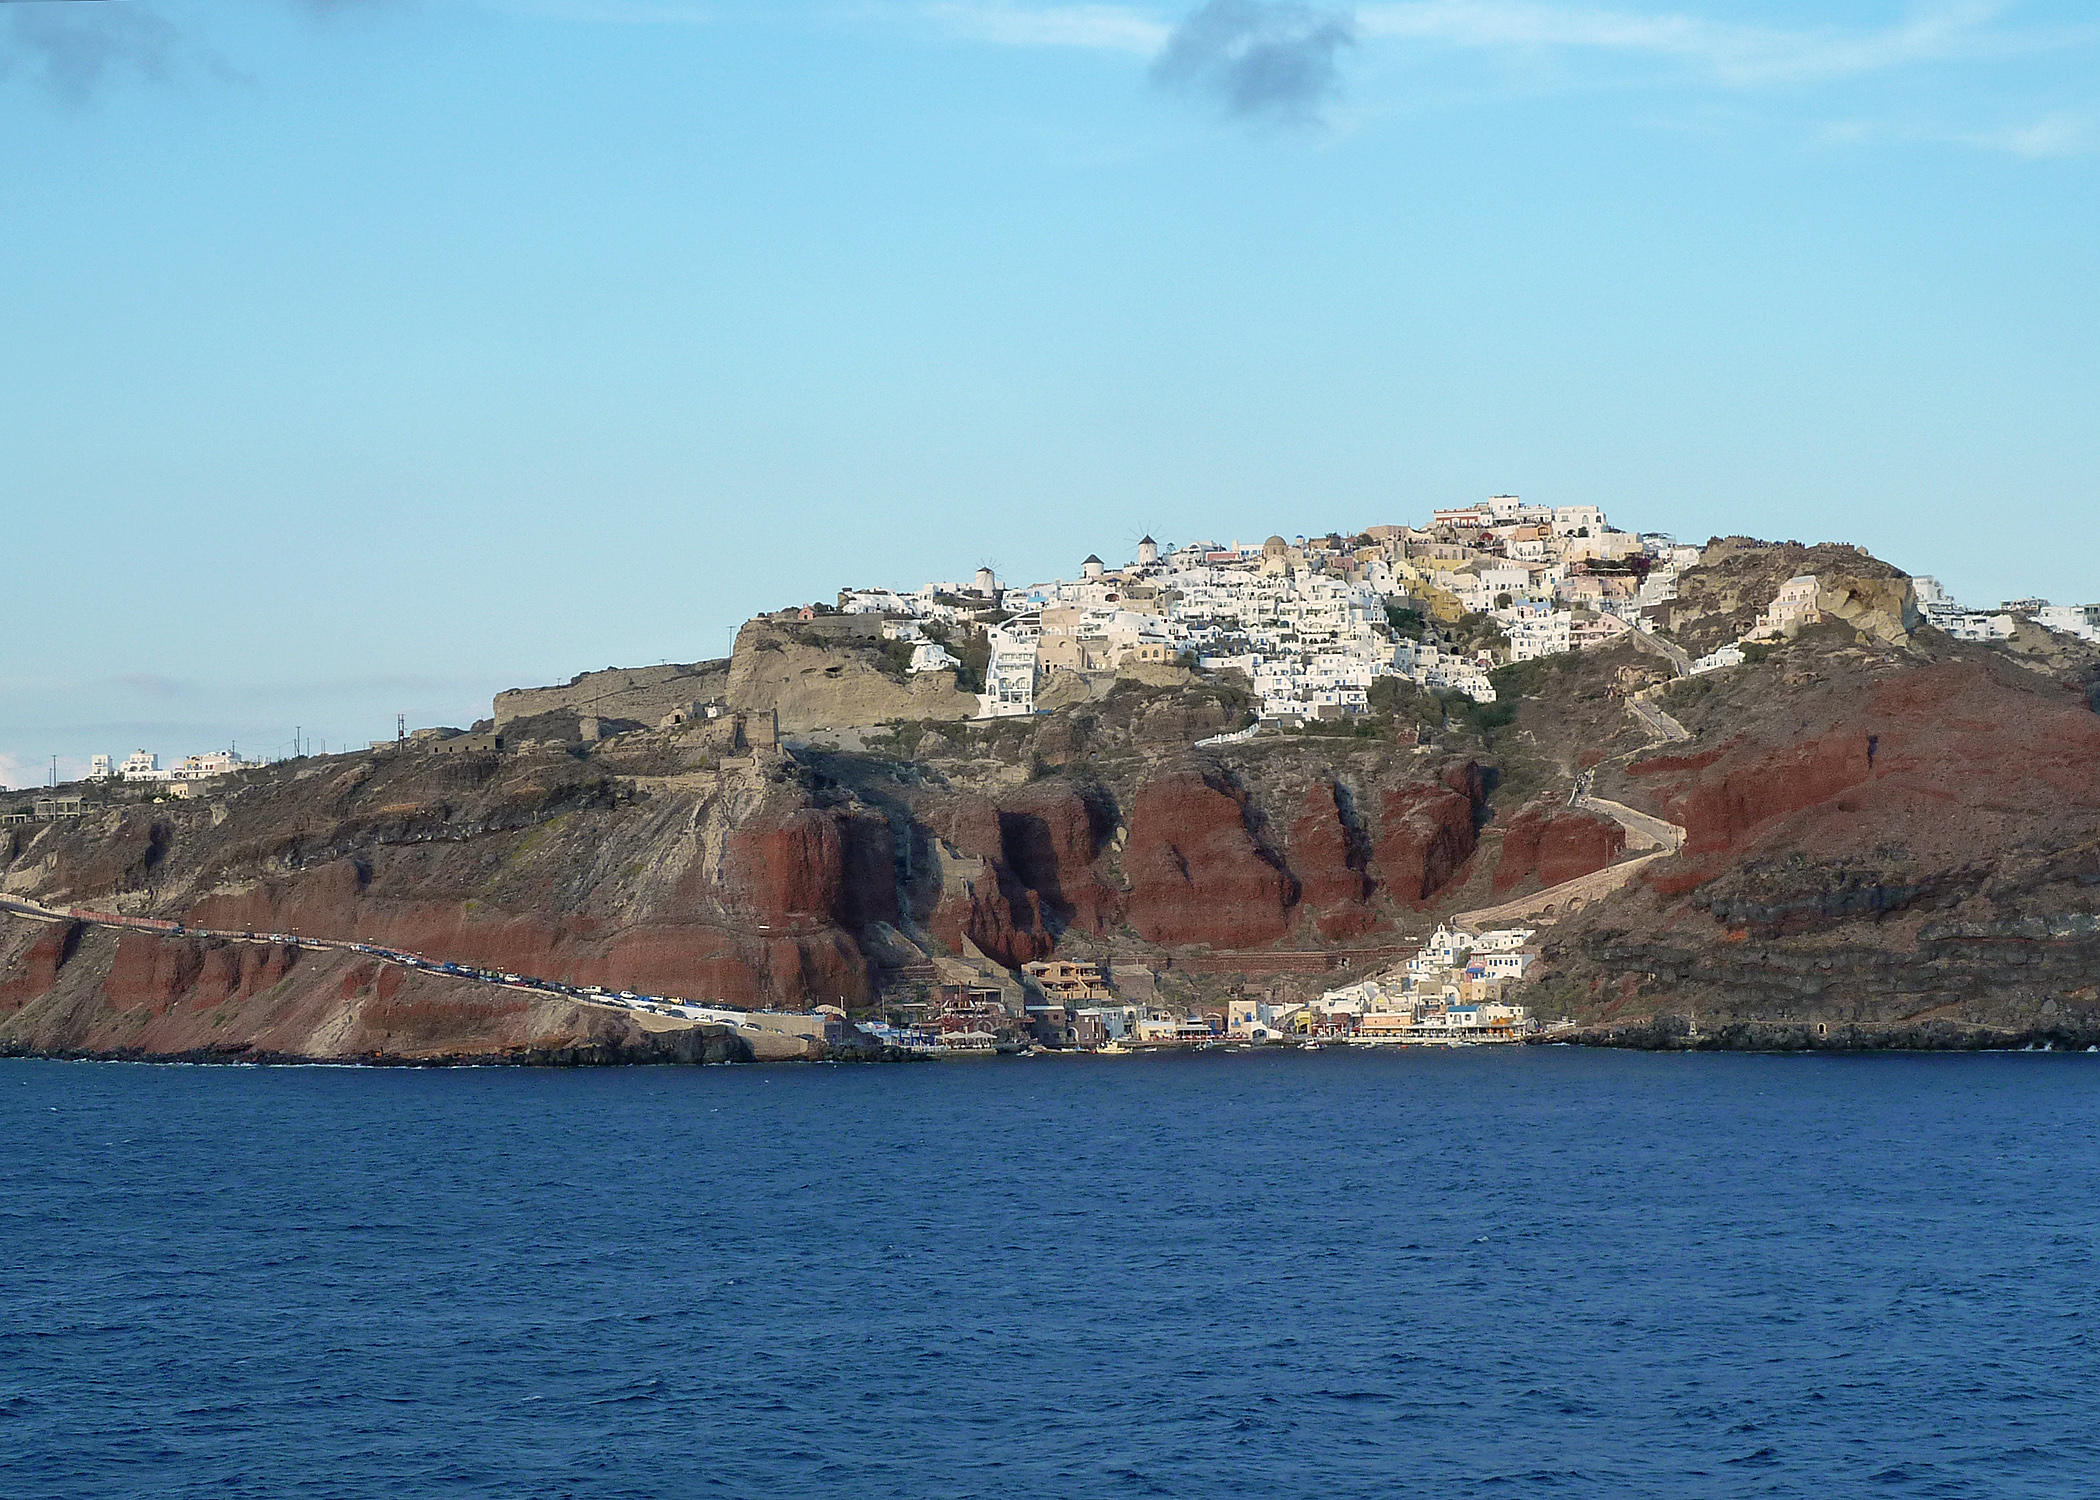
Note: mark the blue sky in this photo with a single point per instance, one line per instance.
(370, 355)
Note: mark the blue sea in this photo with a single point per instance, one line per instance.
(1536, 1272)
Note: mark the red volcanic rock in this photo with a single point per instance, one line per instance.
(994, 909)
(1051, 835)
(1426, 831)
(1718, 809)
(969, 823)
(39, 966)
(151, 973)
(736, 963)
(1552, 844)
(1007, 930)
(868, 873)
(160, 973)
(788, 870)
(1196, 873)
(1941, 761)
(1328, 858)
(1466, 778)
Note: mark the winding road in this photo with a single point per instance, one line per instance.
(1643, 831)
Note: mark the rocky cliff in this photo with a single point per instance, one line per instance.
(84, 991)
(1884, 829)
(779, 880)
(833, 672)
(1721, 598)
(1904, 846)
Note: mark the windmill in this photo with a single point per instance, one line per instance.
(1144, 548)
(987, 579)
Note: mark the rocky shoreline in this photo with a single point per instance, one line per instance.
(1667, 1033)
(719, 1047)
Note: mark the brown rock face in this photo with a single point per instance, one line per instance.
(1008, 930)
(156, 974)
(1552, 844)
(868, 870)
(790, 870)
(1051, 834)
(993, 908)
(812, 683)
(1885, 609)
(37, 970)
(1718, 810)
(1329, 855)
(206, 998)
(1426, 831)
(1196, 872)
(770, 953)
(1913, 844)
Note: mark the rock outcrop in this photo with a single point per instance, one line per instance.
(1547, 845)
(1052, 835)
(1892, 846)
(1719, 600)
(1427, 831)
(1197, 873)
(140, 995)
(816, 682)
(1884, 609)
(1330, 853)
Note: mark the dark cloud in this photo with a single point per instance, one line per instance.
(1262, 59)
(72, 47)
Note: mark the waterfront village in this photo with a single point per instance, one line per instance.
(1454, 991)
(1313, 624)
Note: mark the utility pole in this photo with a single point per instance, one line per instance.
(297, 730)
(54, 770)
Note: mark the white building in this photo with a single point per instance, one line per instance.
(100, 769)
(142, 765)
(1009, 676)
(1966, 625)
(2081, 620)
(1718, 659)
(1514, 965)
(205, 767)
(932, 656)
(1793, 607)
(1537, 630)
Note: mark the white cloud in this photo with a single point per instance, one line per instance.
(2056, 135)
(16, 773)
(2052, 137)
(1100, 28)
(1732, 53)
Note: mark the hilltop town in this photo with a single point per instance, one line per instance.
(1507, 773)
